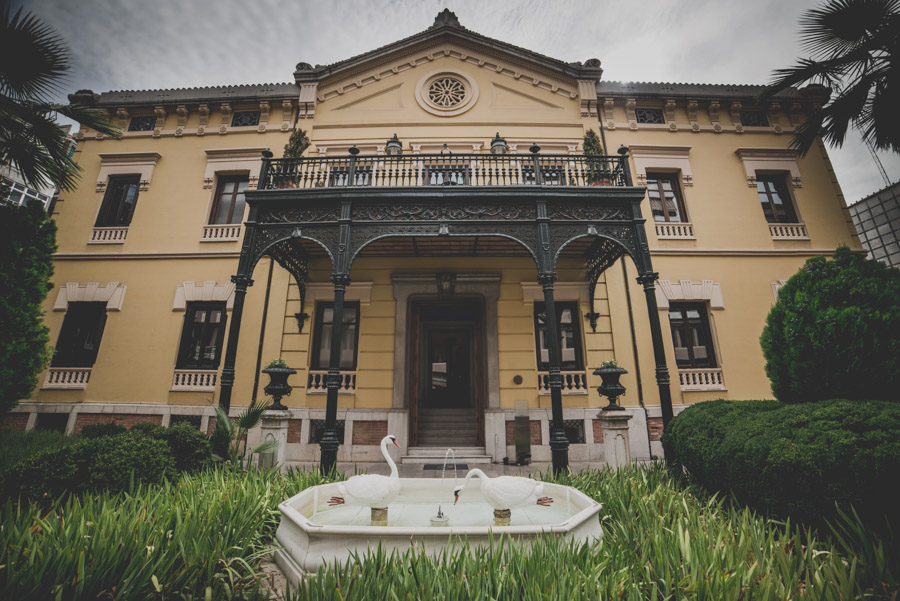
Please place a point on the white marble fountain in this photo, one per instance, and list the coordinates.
(316, 529)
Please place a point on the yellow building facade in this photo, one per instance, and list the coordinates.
(445, 328)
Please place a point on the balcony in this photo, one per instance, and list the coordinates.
(788, 231)
(694, 380)
(475, 170)
(194, 380)
(574, 382)
(68, 378)
(318, 380)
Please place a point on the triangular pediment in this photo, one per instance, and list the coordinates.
(388, 98)
(510, 98)
(447, 32)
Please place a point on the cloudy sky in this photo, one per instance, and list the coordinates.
(145, 44)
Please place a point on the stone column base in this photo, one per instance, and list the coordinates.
(274, 426)
(616, 444)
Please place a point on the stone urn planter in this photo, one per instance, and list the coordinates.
(611, 388)
(278, 386)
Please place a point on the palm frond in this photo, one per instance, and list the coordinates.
(252, 414)
(33, 58)
(96, 119)
(224, 423)
(840, 26)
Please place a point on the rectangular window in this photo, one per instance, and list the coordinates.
(665, 197)
(245, 119)
(570, 357)
(202, 336)
(775, 198)
(79, 338)
(21, 195)
(754, 119)
(650, 116)
(691, 335)
(145, 123)
(228, 205)
(322, 336)
(119, 201)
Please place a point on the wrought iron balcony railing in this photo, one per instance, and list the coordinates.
(479, 170)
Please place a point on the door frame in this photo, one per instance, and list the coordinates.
(416, 357)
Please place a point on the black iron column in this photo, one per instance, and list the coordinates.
(659, 352)
(330, 443)
(559, 444)
(341, 279)
(241, 283)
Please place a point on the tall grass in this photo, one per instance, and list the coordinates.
(664, 540)
(196, 538)
(17, 446)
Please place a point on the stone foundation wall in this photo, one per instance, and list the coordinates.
(122, 419)
(14, 421)
(535, 427)
(369, 432)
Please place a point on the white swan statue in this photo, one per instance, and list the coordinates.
(371, 490)
(506, 492)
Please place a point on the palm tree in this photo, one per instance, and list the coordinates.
(853, 46)
(33, 65)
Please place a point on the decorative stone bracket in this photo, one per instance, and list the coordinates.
(209, 291)
(113, 294)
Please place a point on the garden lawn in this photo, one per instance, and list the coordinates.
(202, 537)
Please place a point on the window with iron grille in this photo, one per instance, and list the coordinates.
(322, 335)
(142, 123)
(202, 336)
(193, 420)
(666, 201)
(775, 198)
(317, 430)
(228, 205)
(650, 116)
(691, 335)
(119, 201)
(55, 422)
(570, 356)
(754, 119)
(574, 429)
(245, 118)
(80, 335)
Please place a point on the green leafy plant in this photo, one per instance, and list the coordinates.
(232, 435)
(597, 170)
(296, 145)
(18, 446)
(27, 244)
(199, 537)
(833, 331)
(32, 71)
(278, 362)
(101, 430)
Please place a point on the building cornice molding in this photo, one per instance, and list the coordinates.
(113, 294)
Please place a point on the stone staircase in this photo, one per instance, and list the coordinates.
(440, 429)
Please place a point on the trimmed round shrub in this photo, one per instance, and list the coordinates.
(794, 460)
(101, 430)
(148, 428)
(833, 333)
(190, 447)
(118, 461)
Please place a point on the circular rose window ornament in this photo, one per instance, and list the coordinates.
(446, 93)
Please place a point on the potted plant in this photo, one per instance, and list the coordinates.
(278, 372)
(596, 169)
(610, 372)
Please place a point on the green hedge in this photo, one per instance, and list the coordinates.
(111, 463)
(794, 460)
(18, 446)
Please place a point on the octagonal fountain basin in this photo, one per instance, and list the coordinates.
(312, 533)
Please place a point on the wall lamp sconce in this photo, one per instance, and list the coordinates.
(446, 282)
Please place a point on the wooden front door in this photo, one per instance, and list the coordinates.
(447, 374)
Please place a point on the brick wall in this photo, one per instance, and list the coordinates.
(293, 433)
(123, 419)
(15, 421)
(598, 431)
(211, 425)
(534, 425)
(369, 432)
(656, 428)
